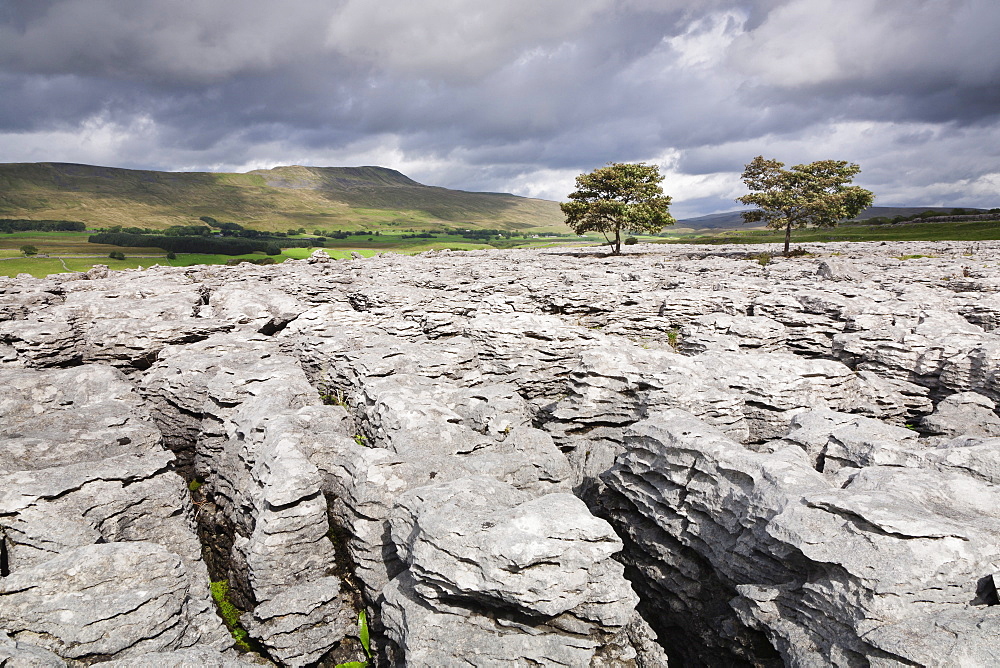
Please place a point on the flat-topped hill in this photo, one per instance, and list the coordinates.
(267, 199)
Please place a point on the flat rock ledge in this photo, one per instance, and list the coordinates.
(507, 458)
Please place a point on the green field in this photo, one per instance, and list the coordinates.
(63, 243)
(60, 252)
(958, 231)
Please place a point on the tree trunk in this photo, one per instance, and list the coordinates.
(618, 242)
(788, 236)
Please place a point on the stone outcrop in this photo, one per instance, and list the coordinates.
(507, 458)
(879, 560)
(100, 554)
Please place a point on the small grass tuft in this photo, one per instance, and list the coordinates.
(673, 337)
(366, 644)
(230, 615)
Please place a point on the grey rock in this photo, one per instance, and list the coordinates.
(429, 636)
(721, 331)
(836, 440)
(976, 457)
(250, 412)
(535, 352)
(964, 413)
(262, 308)
(635, 645)
(319, 256)
(87, 413)
(25, 655)
(528, 368)
(902, 544)
(88, 467)
(477, 538)
(195, 657)
(834, 270)
(365, 483)
(111, 600)
(97, 272)
(302, 622)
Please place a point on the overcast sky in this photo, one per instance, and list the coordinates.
(515, 95)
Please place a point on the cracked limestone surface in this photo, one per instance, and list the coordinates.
(832, 503)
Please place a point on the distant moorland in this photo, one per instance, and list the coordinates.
(328, 198)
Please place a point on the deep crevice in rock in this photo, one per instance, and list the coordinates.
(4, 559)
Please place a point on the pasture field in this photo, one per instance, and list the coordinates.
(956, 231)
(60, 252)
(64, 243)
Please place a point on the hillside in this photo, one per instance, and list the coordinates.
(267, 199)
(734, 220)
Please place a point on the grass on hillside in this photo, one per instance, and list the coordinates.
(270, 200)
(960, 231)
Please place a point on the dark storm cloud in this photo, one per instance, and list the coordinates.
(520, 95)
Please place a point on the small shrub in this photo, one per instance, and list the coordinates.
(763, 259)
(630, 241)
(797, 252)
(194, 485)
(171, 255)
(116, 255)
(673, 337)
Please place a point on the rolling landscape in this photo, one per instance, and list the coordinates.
(364, 210)
(348, 198)
(596, 334)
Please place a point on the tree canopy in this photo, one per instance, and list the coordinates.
(616, 198)
(816, 194)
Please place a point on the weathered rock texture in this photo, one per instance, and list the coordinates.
(543, 457)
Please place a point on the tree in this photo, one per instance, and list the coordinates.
(29, 250)
(816, 194)
(616, 198)
(116, 255)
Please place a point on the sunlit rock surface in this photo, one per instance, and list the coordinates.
(549, 457)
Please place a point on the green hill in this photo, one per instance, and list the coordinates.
(327, 198)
